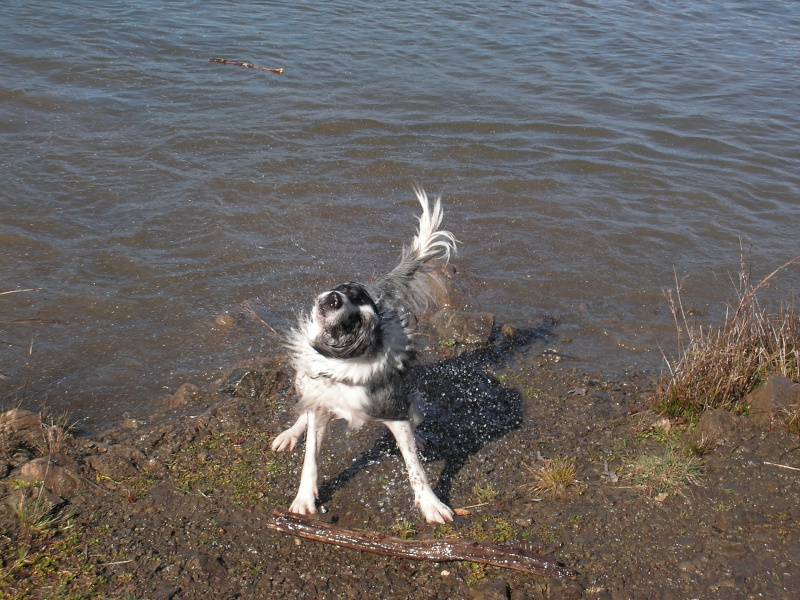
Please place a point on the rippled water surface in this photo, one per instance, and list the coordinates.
(586, 154)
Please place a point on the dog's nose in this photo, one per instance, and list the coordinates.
(334, 300)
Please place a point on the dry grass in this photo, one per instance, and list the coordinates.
(553, 478)
(718, 366)
(793, 418)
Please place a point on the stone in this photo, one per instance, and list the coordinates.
(165, 593)
(185, 394)
(119, 461)
(714, 426)
(497, 590)
(224, 321)
(778, 393)
(45, 500)
(20, 427)
(254, 383)
(160, 498)
(464, 327)
(55, 474)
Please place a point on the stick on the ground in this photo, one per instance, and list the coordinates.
(249, 65)
(499, 555)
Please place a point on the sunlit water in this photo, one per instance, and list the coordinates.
(586, 154)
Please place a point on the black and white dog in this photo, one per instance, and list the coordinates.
(351, 355)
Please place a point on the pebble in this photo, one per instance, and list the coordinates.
(224, 321)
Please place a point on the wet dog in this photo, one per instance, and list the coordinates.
(351, 355)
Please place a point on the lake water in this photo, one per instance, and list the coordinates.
(587, 153)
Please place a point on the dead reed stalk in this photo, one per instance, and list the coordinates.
(718, 366)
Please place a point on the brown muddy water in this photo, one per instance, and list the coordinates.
(587, 153)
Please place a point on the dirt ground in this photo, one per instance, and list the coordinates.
(177, 507)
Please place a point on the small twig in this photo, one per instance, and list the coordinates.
(119, 562)
(33, 321)
(472, 506)
(499, 555)
(249, 65)
(781, 466)
(746, 299)
(252, 313)
(18, 291)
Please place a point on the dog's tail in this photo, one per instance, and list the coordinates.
(410, 281)
(430, 242)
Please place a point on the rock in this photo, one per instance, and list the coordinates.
(714, 426)
(451, 289)
(462, 326)
(119, 461)
(509, 331)
(778, 393)
(497, 590)
(161, 497)
(20, 427)
(42, 499)
(204, 567)
(55, 473)
(165, 593)
(224, 321)
(254, 383)
(186, 394)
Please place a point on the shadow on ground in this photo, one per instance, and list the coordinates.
(465, 408)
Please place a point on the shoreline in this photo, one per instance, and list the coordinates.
(177, 508)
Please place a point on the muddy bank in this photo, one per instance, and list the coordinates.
(176, 507)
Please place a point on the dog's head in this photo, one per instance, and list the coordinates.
(348, 322)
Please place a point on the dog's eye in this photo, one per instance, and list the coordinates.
(334, 300)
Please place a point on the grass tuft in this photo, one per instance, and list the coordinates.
(718, 366)
(404, 529)
(670, 472)
(553, 478)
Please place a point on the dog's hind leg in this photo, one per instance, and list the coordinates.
(288, 439)
(305, 501)
(433, 509)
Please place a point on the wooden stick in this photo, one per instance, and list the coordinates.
(249, 65)
(499, 555)
(771, 464)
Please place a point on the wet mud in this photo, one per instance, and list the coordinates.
(177, 507)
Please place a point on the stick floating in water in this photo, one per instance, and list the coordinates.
(249, 65)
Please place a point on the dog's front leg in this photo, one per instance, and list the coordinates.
(288, 439)
(433, 509)
(305, 501)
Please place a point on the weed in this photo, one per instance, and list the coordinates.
(485, 493)
(34, 517)
(700, 447)
(669, 472)
(477, 572)
(504, 531)
(659, 435)
(444, 531)
(404, 529)
(554, 478)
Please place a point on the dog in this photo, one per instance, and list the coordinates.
(351, 355)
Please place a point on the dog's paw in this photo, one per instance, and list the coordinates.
(303, 506)
(434, 510)
(285, 442)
